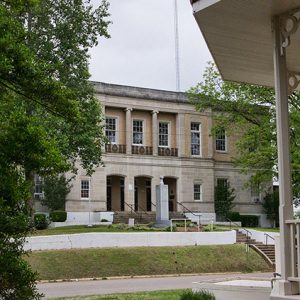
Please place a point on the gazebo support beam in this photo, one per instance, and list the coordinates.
(284, 162)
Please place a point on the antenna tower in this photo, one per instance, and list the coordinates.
(176, 46)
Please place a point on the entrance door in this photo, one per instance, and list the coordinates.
(108, 195)
(122, 195)
(136, 198)
(148, 195)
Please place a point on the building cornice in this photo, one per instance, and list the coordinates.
(138, 92)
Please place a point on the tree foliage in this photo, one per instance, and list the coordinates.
(56, 188)
(271, 207)
(249, 112)
(224, 197)
(49, 116)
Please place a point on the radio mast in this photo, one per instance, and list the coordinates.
(177, 63)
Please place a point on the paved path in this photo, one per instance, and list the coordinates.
(81, 288)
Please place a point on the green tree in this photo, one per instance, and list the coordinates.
(249, 112)
(224, 197)
(56, 188)
(49, 117)
(271, 207)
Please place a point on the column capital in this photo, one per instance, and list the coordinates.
(128, 109)
(155, 112)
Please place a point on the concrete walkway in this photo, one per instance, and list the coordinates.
(82, 288)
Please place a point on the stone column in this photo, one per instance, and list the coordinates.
(154, 133)
(128, 130)
(129, 192)
(180, 140)
(210, 146)
(162, 205)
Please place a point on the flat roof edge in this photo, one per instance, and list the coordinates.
(138, 92)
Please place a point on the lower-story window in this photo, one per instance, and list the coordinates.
(85, 189)
(197, 192)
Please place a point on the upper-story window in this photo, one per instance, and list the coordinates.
(163, 139)
(195, 138)
(85, 189)
(221, 140)
(138, 132)
(111, 129)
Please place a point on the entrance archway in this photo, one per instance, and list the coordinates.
(115, 197)
(142, 193)
(171, 182)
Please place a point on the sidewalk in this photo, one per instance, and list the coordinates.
(97, 287)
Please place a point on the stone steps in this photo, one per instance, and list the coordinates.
(265, 251)
(141, 217)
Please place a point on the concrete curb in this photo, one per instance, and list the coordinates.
(145, 276)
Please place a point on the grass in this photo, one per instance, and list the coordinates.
(99, 228)
(157, 295)
(266, 229)
(101, 263)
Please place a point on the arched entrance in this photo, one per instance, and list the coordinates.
(142, 193)
(171, 182)
(115, 197)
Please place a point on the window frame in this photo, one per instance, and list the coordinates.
(199, 131)
(116, 129)
(221, 140)
(143, 132)
(200, 192)
(38, 182)
(89, 189)
(223, 178)
(168, 134)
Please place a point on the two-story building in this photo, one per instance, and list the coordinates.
(155, 133)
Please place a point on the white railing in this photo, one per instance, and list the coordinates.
(294, 231)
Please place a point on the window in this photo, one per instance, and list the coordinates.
(38, 187)
(163, 140)
(198, 192)
(255, 193)
(221, 143)
(111, 129)
(137, 132)
(222, 182)
(195, 138)
(85, 189)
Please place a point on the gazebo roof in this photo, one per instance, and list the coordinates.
(239, 36)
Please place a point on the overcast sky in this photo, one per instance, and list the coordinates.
(141, 49)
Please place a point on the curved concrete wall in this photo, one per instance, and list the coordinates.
(135, 239)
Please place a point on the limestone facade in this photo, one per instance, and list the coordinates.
(152, 134)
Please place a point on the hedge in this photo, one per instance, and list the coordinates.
(58, 216)
(40, 221)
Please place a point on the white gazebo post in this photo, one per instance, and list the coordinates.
(241, 35)
(284, 162)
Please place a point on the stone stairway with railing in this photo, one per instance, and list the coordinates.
(141, 217)
(266, 251)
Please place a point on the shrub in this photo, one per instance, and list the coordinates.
(40, 221)
(234, 216)
(249, 220)
(58, 216)
(198, 295)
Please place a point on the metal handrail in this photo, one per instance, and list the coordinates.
(188, 210)
(142, 209)
(266, 238)
(249, 233)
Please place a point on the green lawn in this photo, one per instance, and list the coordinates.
(266, 229)
(101, 263)
(99, 228)
(157, 295)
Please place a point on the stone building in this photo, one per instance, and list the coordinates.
(157, 133)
